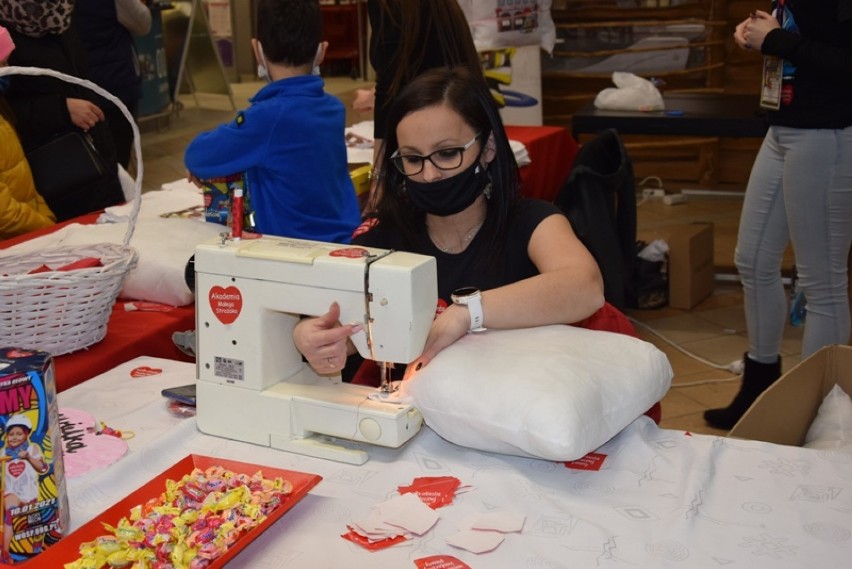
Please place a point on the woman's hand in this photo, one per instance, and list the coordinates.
(447, 328)
(84, 114)
(365, 100)
(751, 32)
(324, 341)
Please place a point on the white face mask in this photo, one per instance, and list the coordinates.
(316, 68)
(262, 70)
(263, 73)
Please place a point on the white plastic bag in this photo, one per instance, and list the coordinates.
(631, 93)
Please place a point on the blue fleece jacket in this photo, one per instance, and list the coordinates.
(290, 143)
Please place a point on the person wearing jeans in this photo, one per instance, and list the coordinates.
(800, 188)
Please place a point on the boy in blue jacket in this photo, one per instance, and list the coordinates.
(290, 141)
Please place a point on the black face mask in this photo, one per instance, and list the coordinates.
(449, 195)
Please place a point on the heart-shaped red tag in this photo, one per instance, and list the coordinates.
(226, 303)
(16, 468)
(434, 491)
(144, 371)
(350, 252)
(440, 562)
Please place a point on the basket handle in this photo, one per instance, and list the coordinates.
(137, 146)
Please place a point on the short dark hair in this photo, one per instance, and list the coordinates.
(288, 30)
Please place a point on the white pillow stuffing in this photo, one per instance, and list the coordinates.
(832, 427)
(553, 392)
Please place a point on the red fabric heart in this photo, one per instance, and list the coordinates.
(16, 468)
(440, 562)
(40, 269)
(434, 491)
(84, 263)
(226, 303)
(144, 371)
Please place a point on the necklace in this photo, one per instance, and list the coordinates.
(463, 241)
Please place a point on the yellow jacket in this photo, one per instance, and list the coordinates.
(22, 209)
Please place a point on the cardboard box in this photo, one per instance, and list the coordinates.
(691, 271)
(784, 412)
(34, 500)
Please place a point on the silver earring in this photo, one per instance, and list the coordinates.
(487, 191)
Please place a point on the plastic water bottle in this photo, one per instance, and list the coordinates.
(797, 303)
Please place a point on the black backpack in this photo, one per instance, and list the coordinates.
(599, 199)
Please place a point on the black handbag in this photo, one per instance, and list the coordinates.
(65, 163)
(68, 172)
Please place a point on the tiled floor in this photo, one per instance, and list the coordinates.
(713, 331)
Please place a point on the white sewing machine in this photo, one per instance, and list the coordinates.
(253, 384)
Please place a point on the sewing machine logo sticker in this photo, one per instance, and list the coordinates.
(226, 303)
(349, 252)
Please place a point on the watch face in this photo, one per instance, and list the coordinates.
(465, 291)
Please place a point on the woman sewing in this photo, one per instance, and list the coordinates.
(451, 190)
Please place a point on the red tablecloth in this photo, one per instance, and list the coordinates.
(551, 151)
(130, 334)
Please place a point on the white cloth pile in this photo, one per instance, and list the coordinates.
(164, 244)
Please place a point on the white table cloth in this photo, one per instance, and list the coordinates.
(662, 498)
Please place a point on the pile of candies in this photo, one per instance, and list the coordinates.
(191, 524)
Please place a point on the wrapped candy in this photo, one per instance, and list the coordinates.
(190, 525)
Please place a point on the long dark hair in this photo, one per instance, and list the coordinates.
(470, 98)
(417, 21)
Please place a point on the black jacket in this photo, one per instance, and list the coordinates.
(41, 111)
(110, 50)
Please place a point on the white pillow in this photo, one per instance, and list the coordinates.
(553, 392)
(832, 427)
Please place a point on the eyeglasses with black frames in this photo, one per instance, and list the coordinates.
(443, 159)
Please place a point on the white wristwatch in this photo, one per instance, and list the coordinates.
(471, 297)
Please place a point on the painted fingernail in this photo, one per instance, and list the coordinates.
(418, 366)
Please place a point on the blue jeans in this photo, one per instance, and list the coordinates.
(799, 191)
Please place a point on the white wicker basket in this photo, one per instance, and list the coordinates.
(64, 311)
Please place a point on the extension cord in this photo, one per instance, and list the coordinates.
(674, 199)
(649, 193)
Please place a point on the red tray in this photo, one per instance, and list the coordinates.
(68, 548)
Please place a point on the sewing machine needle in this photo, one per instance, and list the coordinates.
(386, 386)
